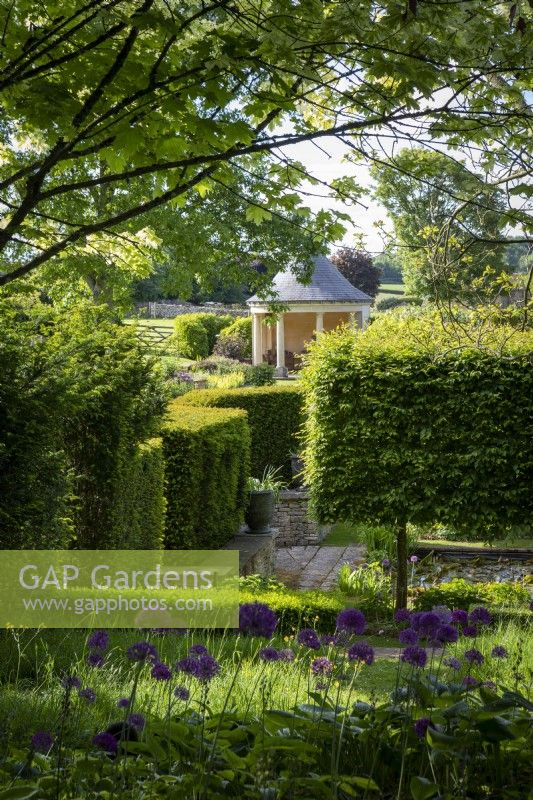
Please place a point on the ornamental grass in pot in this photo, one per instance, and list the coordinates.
(263, 494)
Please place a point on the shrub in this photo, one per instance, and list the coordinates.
(274, 417)
(232, 346)
(367, 586)
(195, 334)
(241, 327)
(397, 302)
(139, 510)
(230, 380)
(207, 455)
(460, 594)
(260, 375)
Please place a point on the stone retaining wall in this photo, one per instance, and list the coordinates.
(292, 522)
(171, 310)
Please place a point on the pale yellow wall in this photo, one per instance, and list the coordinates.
(332, 319)
(299, 328)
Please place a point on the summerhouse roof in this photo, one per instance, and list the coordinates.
(327, 286)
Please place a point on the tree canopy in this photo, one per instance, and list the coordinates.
(358, 267)
(146, 102)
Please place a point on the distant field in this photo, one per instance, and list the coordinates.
(390, 290)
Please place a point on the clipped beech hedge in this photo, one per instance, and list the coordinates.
(195, 334)
(139, 511)
(207, 462)
(409, 423)
(275, 418)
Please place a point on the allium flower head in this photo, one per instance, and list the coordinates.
(322, 666)
(385, 563)
(459, 617)
(198, 650)
(257, 619)
(137, 721)
(269, 654)
(98, 640)
(416, 656)
(443, 613)
(308, 637)
(469, 681)
(408, 636)
(413, 559)
(351, 620)
(96, 659)
(402, 615)
(71, 682)
(361, 651)
(42, 741)
(474, 656)
(426, 624)
(470, 631)
(287, 655)
(189, 665)
(142, 651)
(453, 663)
(327, 639)
(421, 725)
(161, 671)
(106, 742)
(182, 693)
(446, 634)
(124, 702)
(87, 694)
(480, 616)
(208, 667)
(499, 651)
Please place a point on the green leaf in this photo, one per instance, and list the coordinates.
(21, 792)
(257, 214)
(422, 788)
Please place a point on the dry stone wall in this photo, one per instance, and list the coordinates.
(293, 523)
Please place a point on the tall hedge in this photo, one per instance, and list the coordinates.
(275, 418)
(408, 423)
(139, 511)
(195, 334)
(207, 456)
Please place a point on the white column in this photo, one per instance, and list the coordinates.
(319, 326)
(257, 340)
(280, 346)
(365, 313)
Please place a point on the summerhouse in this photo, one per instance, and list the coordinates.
(328, 301)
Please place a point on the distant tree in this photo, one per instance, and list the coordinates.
(357, 267)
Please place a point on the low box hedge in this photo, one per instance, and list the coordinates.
(275, 418)
(458, 593)
(207, 458)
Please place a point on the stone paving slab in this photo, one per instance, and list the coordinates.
(313, 567)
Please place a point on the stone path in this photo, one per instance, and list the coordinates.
(314, 567)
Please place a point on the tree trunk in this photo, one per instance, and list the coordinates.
(401, 574)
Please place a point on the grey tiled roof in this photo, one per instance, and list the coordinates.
(327, 286)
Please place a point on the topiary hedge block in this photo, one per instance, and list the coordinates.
(207, 463)
(275, 418)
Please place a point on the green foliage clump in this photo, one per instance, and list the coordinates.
(260, 375)
(458, 593)
(139, 508)
(368, 586)
(195, 334)
(239, 331)
(207, 456)
(409, 422)
(300, 609)
(397, 302)
(275, 417)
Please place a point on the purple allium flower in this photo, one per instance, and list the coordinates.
(161, 671)
(443, 613)
(142, 651)
(402, 615)
(351, 620)
(106, 742)
(421, 725)
(327, 639)
(459, 617)
(470, 631)
(87, 694)
(269, 654)
(308, 637)
(473, 656)
(489, 685)
(322, 666)
(446, 634)
(453, 663)
(198, 650)
(426, 624)
(208, 667)
(413, 559)
(257, 619)
(361, 651)
(469, 680)
(137, 721)
(95, 659)
(499, 651)
(385, 563)
(182, 693)
(480, 616)
(98, 640)
(124, 702)
(71, 682)
(286, 655)
(42, 741)
(416, 656)
(189, 665)
(408, 636)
